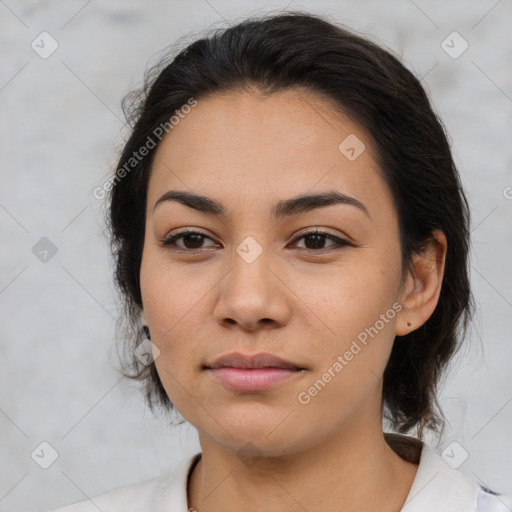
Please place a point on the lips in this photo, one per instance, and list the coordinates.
(252, 373)
(262, 360)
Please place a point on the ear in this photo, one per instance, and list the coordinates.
(422, 287)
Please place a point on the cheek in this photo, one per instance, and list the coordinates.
(171, 293)
(354, 312)
(351, 358)
(176, 307)
(351, 297)
(175, 313)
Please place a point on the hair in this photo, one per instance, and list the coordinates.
(297, 50)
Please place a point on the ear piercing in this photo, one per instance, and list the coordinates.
(409, 324)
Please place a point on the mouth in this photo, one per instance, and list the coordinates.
(252, 373)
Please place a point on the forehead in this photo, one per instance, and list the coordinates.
(247, 147)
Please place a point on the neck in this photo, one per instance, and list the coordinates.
(338, 475)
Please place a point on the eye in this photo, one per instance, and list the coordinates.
(317, 238)
(193, 241)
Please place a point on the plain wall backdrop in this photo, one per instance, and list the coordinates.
(61, 125)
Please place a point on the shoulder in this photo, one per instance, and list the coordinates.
(489, 501)
(131, 497)
(438, 486)
(149, 495)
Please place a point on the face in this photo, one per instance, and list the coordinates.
(254, 278)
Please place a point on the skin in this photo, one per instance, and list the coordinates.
(302, 299)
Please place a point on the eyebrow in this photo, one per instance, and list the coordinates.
(283, 208)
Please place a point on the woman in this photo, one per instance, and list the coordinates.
(290, 231)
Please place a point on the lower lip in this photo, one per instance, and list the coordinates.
(252, 380)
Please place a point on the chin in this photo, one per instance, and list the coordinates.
(254, 433)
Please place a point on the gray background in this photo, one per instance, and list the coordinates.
(61, 126)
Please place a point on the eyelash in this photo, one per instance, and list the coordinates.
(168, 243)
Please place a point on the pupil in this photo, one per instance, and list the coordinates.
(319, 240)
(198, 239)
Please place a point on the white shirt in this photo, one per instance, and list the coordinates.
(436, 487)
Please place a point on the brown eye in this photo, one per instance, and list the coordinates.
(192, 241)
(315, 240)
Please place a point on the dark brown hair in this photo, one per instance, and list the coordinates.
(300, 50)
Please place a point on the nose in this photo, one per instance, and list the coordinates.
(252, 295)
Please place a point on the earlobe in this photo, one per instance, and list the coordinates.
(404, 323)
(421, 291)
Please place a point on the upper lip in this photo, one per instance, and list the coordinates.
(261, 360)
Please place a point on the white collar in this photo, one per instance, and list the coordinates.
(439, 487)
